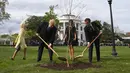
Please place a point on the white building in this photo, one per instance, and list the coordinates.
(117, 30)
(63, 22)
(5, 41)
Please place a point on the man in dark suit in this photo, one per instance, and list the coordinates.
(91, 31)
(47, 33)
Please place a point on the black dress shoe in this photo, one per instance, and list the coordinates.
(39, 60)
(98, 60)
(24, 58)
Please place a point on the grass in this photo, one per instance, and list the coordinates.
(109, 64)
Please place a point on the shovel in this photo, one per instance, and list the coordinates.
(59, 57)
(80, 56)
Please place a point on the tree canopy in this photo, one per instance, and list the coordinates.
(107, 33)
(3, 14)
(51, 15)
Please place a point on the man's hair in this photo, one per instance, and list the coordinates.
(88, 19)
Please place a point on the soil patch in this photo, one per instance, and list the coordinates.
(63, 66)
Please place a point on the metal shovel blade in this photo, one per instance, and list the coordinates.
(79, 56)
(62, 58)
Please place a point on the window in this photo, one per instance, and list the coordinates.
(81, 28)
(77, 25)
(81, 36)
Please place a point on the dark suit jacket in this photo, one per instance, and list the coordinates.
(91, 31)
(47, 35)
(88, 33)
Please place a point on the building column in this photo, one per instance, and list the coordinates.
(64, 27)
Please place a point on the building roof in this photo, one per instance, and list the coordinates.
(69, 16)
(126, 37)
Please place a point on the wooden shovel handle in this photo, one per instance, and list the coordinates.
(91, 43)
(47, 45)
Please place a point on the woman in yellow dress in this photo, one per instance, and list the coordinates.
(20, 40)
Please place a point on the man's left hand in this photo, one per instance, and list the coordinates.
(88, 44)
(100, 31)
(74, 39)
(49, 46)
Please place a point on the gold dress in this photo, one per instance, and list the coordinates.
(20, 40)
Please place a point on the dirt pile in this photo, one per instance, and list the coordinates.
(63, 66)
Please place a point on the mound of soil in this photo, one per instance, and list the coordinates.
(63, 66)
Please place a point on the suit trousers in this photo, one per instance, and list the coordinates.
(41, 49)
(97, 46)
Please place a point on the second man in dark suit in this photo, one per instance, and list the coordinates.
(91, 31)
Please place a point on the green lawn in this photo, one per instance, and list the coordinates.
(109, 64)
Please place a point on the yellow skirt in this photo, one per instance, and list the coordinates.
(21, 43)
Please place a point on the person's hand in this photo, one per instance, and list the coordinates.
(37, 34)
(88, 44)
(100, 31)
(74, 39)
(49, 46)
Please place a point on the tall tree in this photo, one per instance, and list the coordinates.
(3, 14)
(98, 23)
(4, 36)
(107, 33)
(33, 23)
(14, 36)
(49, 15)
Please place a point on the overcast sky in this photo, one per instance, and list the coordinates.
(94, 9)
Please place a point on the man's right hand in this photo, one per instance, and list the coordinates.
(37, 34)
(100, 31)
(88, 44)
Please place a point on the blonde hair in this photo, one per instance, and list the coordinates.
(23, 23)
